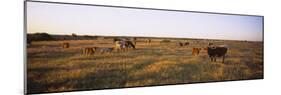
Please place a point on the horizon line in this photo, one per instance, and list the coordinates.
(147, 37)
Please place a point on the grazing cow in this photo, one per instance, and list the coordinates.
(195, 51)
(181, 44)
(217, 51)
(89, 51)
(65, 45)
(123, 45)
(129, 44)
(184, 44)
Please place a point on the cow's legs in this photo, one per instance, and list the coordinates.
(223, 59)
(212, 58)
(215, 59)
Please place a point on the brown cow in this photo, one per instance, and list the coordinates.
(65, 45)
(149, 41)
(183, 43)
(195, 51)
(89, 51)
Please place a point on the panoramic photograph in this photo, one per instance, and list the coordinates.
(72, 47)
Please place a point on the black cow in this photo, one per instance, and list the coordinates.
(217, 51)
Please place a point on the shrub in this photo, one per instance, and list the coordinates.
(165, 41)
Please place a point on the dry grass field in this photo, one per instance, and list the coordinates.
(51, 68)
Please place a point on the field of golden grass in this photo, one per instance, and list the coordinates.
(51, 68)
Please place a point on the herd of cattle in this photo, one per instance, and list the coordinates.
(121, 45)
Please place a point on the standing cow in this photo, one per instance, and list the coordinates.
(217, 51)
(195, 51)
(89, 51)
(183, 43)
(65, 45)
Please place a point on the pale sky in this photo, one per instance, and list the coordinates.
(112, 21)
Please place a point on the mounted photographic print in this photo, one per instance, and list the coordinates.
(78, 47)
